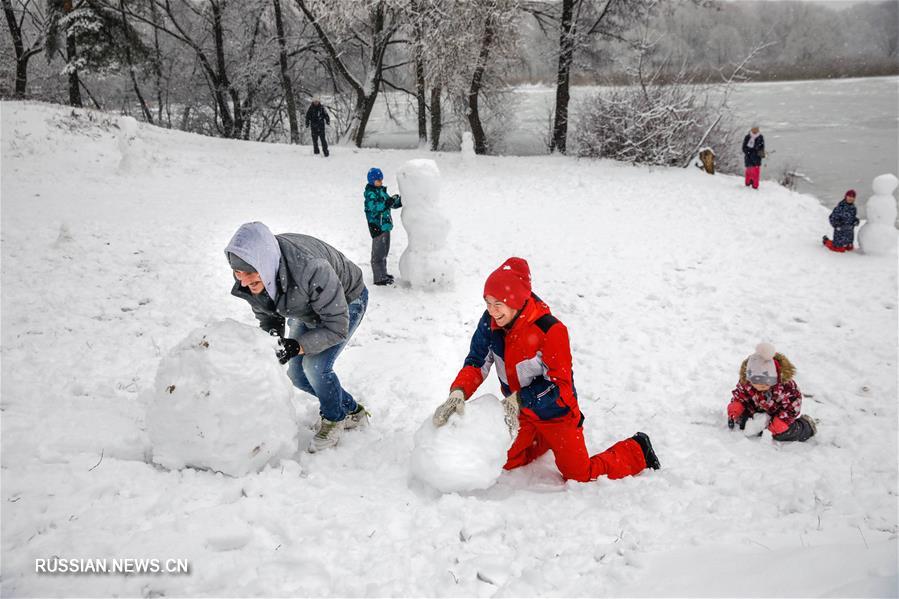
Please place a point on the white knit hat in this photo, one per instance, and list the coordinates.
(760, 368)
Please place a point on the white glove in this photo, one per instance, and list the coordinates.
(512, 408)
(454, 404)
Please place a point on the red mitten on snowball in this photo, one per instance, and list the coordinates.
(778, 426)
(735, 410)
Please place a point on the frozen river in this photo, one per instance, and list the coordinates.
(839, 133)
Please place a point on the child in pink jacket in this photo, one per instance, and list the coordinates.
(766, 385)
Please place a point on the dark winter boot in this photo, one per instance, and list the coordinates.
(802, 429)
(652, 461)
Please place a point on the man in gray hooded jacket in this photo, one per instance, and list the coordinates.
(320, 294)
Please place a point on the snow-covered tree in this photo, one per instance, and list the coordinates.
(26, 25)
(578, 22)
(367, 28)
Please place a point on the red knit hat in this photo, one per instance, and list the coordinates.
(510, 283)
(851, 192)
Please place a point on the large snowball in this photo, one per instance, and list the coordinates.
(468, 452)
(878, 238)
(222, 402)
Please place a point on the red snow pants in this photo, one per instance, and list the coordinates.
(566, 440)
(752, 176)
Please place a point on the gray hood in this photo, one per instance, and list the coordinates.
(255, 244)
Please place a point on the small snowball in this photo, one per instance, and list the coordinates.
(757, 424)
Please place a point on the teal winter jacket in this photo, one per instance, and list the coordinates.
(377, 209)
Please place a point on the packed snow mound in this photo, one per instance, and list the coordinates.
(221, 402)
(468, 452)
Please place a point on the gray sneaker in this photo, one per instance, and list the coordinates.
(357, 419)
(328, 434)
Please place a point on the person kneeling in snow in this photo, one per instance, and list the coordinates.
(843, 221)
(766, 385)
(321, 294)
(378, 204)
(533, 357)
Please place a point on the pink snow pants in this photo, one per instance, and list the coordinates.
(752, 176)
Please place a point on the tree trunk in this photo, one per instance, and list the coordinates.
(364, 106)
(477, 79)
(74, 84)
(436, 124)
(140, 97)
(21, 77)
(563, 74)
(157, 66)
(222, 85)
(285, 77)
(420, 90)
(21, 57)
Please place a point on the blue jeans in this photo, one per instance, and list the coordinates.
(314, 373)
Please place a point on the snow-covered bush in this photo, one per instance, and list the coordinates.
(661, 125)
(221, 402)
(663, 117)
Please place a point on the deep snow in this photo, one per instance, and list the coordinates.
(666, 279)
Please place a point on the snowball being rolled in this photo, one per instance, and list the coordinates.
(468, 452)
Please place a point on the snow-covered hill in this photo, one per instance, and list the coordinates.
(666, 279)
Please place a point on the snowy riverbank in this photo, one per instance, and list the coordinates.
(666, 280)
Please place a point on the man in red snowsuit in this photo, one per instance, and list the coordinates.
(533, 362)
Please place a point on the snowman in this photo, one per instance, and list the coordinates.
(878, 235)
(426, 262)
(467, 148)
(130, 145)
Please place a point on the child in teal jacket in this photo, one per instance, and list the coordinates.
(378, 204)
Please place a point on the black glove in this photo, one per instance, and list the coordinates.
(856, 222)
(290, 349)
(397, 200)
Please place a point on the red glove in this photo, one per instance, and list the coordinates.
(735, 410)
(778, 426)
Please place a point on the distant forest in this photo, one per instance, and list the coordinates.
(807, 41)
(247, 69)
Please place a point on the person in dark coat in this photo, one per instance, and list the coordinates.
(843, 221)
(753, 152)
(316, 119)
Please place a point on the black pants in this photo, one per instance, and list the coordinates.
(802, 429)
(319, 134)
